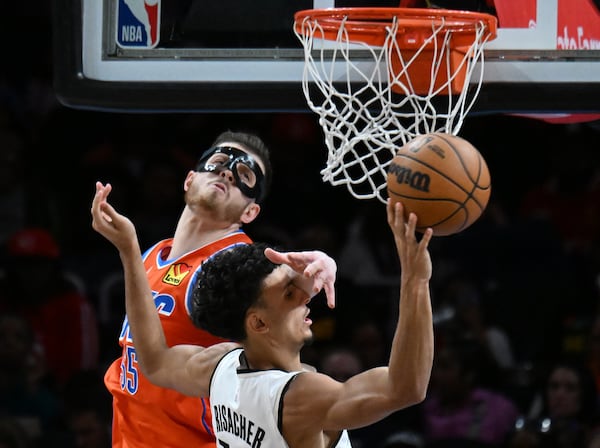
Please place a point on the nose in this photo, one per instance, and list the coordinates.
(227, 174)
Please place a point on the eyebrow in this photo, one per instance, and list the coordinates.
(290, 278)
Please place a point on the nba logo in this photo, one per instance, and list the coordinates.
(138, 23)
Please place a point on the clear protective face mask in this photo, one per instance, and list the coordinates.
(246, 171)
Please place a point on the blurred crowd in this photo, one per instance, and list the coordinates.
(516, 296)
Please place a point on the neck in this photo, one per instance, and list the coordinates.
(195, 231)
(260, 357)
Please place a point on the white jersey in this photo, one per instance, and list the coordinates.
(247, 405)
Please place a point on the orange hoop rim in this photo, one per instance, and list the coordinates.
(360, 21)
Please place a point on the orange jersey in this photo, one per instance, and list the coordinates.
(145, 415)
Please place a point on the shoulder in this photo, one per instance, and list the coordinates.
(205, 359)
(218, 351)
(306, 404)
(322, 388)
(201, 365)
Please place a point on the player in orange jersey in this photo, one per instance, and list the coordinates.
(221, 195)
(260, 393)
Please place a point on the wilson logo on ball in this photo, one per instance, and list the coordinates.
(404, 175)
(442, 179)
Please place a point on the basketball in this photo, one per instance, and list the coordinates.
(443, 179)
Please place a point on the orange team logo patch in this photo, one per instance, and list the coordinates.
(176, 274)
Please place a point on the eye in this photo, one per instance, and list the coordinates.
(288, 293)
(246, 174)
(217, 159)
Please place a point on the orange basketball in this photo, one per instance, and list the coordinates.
(443, 179)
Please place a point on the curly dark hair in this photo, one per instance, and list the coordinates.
(228, 284)
(254, 144)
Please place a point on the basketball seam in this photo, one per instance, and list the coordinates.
(469, 192)
(461, 206)
(452, 181)
(474, 181)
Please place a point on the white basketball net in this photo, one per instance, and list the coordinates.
(350, 86)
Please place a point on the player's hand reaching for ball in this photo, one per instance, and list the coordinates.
(414, 255)
(317, 268)
(113, 226)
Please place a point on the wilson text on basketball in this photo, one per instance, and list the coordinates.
(404, 175)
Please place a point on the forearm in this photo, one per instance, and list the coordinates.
(375, 393)
(411, 356)
(145, 327)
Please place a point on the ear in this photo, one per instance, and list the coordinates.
(250, 213)
(255, 323)
(188, 180)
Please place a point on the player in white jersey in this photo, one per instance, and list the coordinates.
(249, 402)
(259, 297)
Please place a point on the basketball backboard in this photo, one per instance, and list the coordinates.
(236, 55)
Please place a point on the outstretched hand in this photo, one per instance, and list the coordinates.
(315, 266)
(113, 226)
(414, 255)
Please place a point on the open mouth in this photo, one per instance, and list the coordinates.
(307, 320)
(220, 186)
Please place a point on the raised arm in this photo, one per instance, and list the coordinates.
(374, 394)
(184, 368)
(411, 356)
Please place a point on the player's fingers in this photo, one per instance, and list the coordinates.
(329, 294)
(396, 215)
(311, 262)
(324, 269)
(306, 257)
(399, 210)
(108, 212)
(313, 268)
(327, 284)
(97, 196)
(102, 192)
(106, 217)
(317, 284)
(411, 225)
(391, 213)
(426, 238)
(397, 222)
(276, 256)
(296, 260)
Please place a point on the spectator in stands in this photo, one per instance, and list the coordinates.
(24, 398)
(88, 411)
(470, 320)
(564, 412)
(36, 286)
(458, 411)
(340, 363)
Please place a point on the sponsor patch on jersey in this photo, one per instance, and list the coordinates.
(176, 274)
